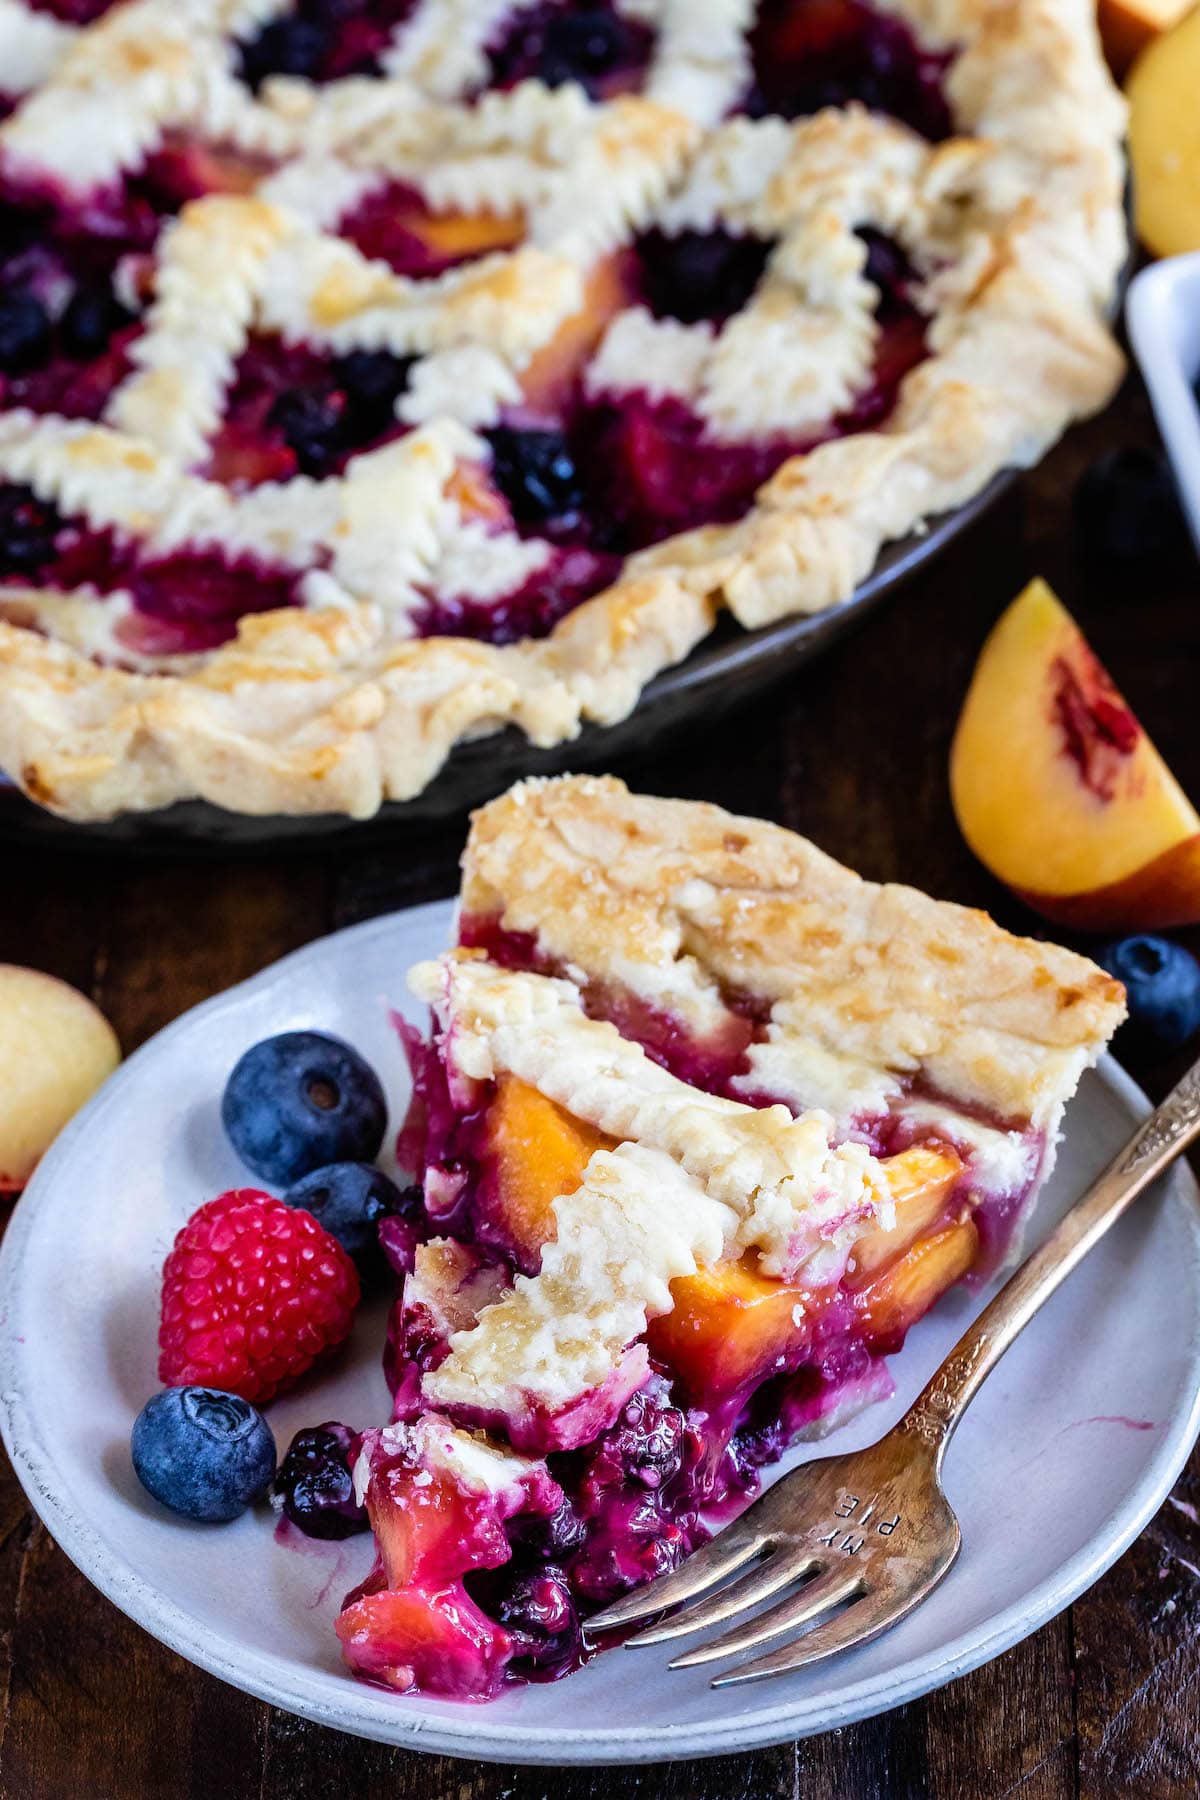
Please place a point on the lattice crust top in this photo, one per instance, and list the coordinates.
(351, 686)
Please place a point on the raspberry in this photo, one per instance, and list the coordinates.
(253, 1292)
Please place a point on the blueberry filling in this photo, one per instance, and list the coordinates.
(696, 275)
(536, 473)
(312, 425)
(293, 411)
(91, 319)
(323, 40)
(593, 45)
(29, 533)
(537, 1610)
(809, 54)
(25, 332)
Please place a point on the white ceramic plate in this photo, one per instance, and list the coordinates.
(1071, 1447)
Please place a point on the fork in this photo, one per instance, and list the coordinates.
(857, 1541)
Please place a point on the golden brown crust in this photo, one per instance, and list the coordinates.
(681, 903)
(336, 706)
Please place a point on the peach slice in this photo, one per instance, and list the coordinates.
(456, 236)
(550, 376)
(55, 1050)
(1164, 139)
(910, 1287)
(731, 1325)
(921, 1180)
(534, 1152)
(1127, 26)
(475, 496)
(1057, 788)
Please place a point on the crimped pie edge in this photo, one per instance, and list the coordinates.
(314, 712)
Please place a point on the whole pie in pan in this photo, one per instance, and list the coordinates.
(380, 374)
(704, 1123)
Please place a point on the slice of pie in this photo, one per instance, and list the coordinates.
(704, 1123)
(380, 374)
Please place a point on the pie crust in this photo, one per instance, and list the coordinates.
(1015, 229)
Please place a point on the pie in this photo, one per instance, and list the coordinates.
(704, 1123)
(382, 374)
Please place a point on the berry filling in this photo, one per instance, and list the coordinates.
(72, 12)
(596, 46)
(314, 1487)
(292, 411)
(395, 224)
(323, 40)
(64, 327)
(569, 577)
(188, 601)
(650, 464)
(808, 54)
(694, 275)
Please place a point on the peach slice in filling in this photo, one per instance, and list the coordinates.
(395, 225)
(732, 1327)
(438, 1503)
(533, 1153)
(549, 379)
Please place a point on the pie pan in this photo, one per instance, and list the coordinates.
(1067, 1453)
(730, 667)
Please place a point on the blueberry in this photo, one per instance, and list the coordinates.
(372, 381)
(203, 1453)
(301, 1101)
(315, 1483)
(93, 315)
(1162, 982)
(583, 46)
(313, 425)
(350, 1199)
(536, 473)
(29, 530)
(886, 268)
(24, 331)
(694, 275)
(1127, 512)
(289, 46)
(548, 1535)
(537, 1611)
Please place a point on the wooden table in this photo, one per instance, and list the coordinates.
(1103, 1701)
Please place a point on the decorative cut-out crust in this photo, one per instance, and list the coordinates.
(335, 705)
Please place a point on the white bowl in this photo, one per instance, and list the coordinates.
(1162, 313)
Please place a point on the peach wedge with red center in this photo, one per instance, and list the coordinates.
(55, 1050)
(1058, 790)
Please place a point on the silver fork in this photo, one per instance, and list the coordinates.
(859, 1540)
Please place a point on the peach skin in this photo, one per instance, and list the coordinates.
(55, 1050)
(1164, 139)
(1058, 790)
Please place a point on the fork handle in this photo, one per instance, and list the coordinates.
(1162, 1137)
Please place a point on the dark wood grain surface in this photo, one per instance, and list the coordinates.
(1103, 1701)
